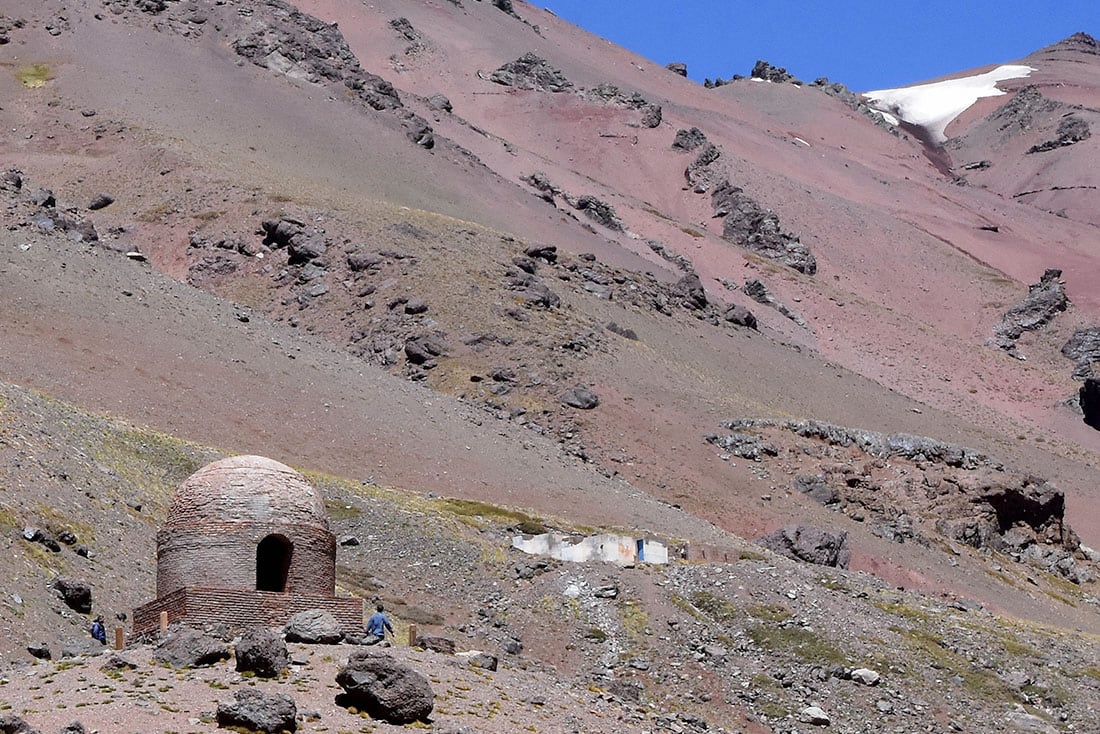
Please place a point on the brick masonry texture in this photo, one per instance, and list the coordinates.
(241, 610)
(246, 543)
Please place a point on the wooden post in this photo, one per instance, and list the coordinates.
(412, 635)
(118, 638)
(164, 621)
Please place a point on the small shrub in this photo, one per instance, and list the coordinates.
(595, 634)
(35, 75)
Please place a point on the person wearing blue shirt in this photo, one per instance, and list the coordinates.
(98, 631)
(378, 624)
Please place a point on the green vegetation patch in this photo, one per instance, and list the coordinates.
(934, 651)
(9, 519)
(491, 513)
(595, 634)
(342, 511)
(1092, 672)
(906, 611)
(32, 76)
(770, 612)
(813, 647)
(716, 608)
(635, 620)
(153, 463)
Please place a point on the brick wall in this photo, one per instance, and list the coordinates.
(223, 556)
(242, 609)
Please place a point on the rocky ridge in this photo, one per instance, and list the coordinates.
(909, 487)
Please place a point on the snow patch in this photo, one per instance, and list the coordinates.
(933, 106)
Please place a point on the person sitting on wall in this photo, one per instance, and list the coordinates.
(377, 626)
(98, 631)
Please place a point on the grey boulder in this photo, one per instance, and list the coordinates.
(314, 627)
(255, 710)
(385, 688)
(262, 652)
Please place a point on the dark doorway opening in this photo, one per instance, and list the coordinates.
(273, 563)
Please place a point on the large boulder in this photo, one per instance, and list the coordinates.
(436, 643)
(304, 247)
(255, 710)
(810, 544)
(278, 232)
(424, 348)
(738, 314)
(77, 595)
(184, 647)
(385, 688)
(314, 627)
(580, 397)
(12, 724)
(262, 652)
(691, 291)
(75, 647)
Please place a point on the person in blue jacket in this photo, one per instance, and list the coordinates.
(378, 624)
(98, 631)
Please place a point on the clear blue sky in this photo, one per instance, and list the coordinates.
(866, 44)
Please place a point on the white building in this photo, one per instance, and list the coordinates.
(623, 550)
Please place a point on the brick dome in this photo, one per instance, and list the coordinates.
(246, 489)
(247, 522)
(246, 543)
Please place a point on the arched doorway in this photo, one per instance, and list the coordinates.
(273, 563)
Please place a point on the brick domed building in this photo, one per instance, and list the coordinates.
(246, 543)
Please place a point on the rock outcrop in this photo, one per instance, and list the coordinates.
(1089, 400)
(1071, 129)
(301, 46)
(914, 486)
(1044, 300)
(763, 70)
(759, 292)
(1083, 347)
(810, 544)
(531, 71)
(853, 100)
(688, 139)
(677, 67)
(757, 229)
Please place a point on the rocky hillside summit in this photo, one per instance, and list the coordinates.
(480, 276)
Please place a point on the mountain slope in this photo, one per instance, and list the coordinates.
(310, 228)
